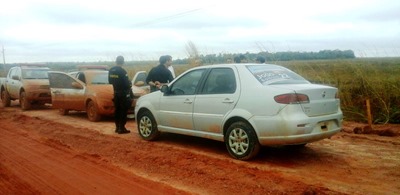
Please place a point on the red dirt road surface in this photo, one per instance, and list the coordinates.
(42, 152)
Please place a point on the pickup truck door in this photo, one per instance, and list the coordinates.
(66, 92)
(14, 82)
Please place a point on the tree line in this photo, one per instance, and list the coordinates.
(278, 56)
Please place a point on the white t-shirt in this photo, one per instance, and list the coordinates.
(171, 68)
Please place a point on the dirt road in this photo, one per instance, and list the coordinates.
(42, 152)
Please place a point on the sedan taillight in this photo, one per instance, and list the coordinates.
(291, 98)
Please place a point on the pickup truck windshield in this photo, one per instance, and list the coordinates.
(35, 74)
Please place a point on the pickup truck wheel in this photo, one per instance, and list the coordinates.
(92, 112)
(5, 98)
(23, 101)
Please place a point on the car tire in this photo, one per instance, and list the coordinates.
(5, 98)
(92, 112)
(24, 102)
(147, 126)
(241, 141)
(63, 111)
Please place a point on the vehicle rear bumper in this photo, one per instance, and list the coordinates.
(296, 128)
(297, 139)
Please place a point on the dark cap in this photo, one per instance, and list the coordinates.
(120, 60)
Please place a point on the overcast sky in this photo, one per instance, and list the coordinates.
(79, 30)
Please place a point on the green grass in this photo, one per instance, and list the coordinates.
(377, 79)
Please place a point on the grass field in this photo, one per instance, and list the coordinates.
(376, 79)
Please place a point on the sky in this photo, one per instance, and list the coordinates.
(91, 31)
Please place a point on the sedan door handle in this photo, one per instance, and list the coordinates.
(56, 91)
(227, 100)
(188, 101)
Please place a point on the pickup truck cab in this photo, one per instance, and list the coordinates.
(28, 83)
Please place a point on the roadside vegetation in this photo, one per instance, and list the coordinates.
(358, 80)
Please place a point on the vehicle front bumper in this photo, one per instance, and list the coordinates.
(39, 95)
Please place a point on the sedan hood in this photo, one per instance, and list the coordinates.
(108, 91)
(101, 91)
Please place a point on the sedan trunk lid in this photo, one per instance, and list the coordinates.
(322, 99)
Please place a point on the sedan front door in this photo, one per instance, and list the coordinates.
(176, 107)
(66, 92)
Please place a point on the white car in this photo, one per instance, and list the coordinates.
(244, 105)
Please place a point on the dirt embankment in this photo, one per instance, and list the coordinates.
(43, 152)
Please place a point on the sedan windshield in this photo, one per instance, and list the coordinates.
(270, 75)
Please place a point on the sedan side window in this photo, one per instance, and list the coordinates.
(58, 80)
(220, 81)
(187, 84)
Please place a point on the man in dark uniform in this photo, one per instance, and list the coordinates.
(123, 96)
(160, 74)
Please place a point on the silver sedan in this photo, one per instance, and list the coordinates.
(244, 105)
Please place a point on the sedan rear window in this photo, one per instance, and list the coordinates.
(270, 75)
(100, 79)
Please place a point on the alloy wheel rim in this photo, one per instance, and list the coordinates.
(238, 141)
(145, 126)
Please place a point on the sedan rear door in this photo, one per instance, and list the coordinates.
(216, 100)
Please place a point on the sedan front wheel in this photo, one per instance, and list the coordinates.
(147, 126)
(241, 141)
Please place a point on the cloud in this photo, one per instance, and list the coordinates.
(48, 30)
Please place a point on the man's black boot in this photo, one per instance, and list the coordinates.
(123, 131)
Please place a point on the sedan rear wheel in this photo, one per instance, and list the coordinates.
(5, 98)
(241, 141)
(92, 112)
(147, 126)
(63, 111)
(24, 102)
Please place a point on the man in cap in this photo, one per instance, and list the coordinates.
(123, 96)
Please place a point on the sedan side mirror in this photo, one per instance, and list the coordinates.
(76, 85)
(164, 89)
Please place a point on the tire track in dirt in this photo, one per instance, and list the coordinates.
(51, 170)
(345, 164)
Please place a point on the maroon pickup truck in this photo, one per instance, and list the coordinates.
(28, 83)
